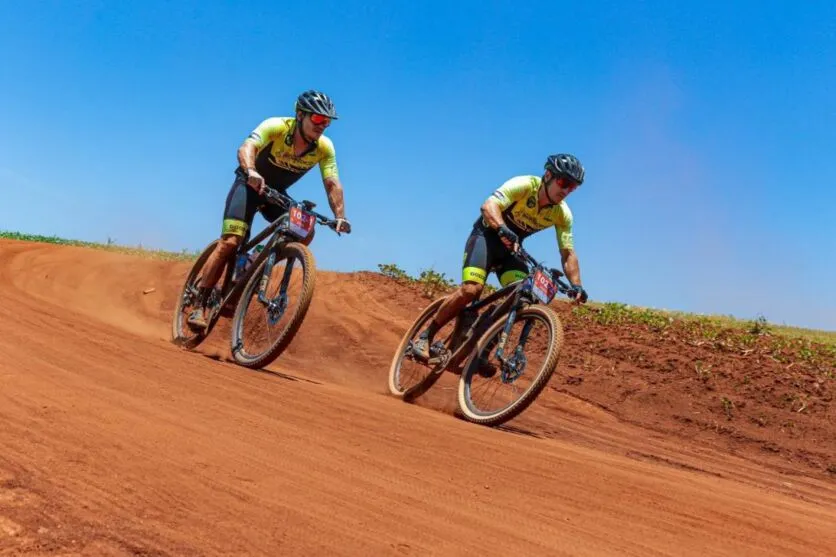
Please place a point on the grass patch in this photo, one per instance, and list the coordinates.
(110, 245)
(815, 349)
(708, 327)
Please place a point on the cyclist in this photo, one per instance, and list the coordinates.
(276, 154)
(520, 207)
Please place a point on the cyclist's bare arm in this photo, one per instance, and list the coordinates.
(246, 158)
(570, 265)
(334, 189)
(492, 213)
(246, 154)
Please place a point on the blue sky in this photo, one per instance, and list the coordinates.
(707, 130)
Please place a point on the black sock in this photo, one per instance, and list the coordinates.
(431, 330)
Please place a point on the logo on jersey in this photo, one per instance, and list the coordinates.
(521, 224)
(527, 223)
(531, 202)
(293, 165)
(255, 137)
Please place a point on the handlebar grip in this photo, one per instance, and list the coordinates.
(505, 232)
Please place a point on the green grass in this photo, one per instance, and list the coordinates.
(812, 348)
(709, 325)
(110, 245)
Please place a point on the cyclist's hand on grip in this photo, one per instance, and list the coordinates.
(509, 238)
(342, 225)
(578, 294)
(255, 181)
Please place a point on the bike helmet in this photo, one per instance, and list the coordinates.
(316, 102)
(566, 165)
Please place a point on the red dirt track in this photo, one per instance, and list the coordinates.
(115, 442)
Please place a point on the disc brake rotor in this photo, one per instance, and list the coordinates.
(514, 367)
(276, 308)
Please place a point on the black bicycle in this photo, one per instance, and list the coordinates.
(484, 335)
(254, 287)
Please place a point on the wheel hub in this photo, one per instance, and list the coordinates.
(514, 367)
(276, 308)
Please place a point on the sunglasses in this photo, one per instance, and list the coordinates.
(566, 183)
(319, 119)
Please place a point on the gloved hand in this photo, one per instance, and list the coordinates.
(509, 238)
(578, 294)
(342, 225)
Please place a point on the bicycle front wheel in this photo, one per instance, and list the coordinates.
(273, 305)
(493, 391)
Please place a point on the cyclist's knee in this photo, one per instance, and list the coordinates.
(471, 290)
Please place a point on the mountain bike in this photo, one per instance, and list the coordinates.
(481, 337)
(246, 280)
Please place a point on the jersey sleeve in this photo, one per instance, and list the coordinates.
(563, 227)
(327, 158)
(513, 190)
(267, 131)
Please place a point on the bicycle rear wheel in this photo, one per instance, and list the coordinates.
(408, 376)
(181, 333)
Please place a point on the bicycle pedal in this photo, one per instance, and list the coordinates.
(440, 359)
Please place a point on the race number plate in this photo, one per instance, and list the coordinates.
(301, 223)
(544, 287)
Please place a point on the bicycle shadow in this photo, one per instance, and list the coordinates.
(275, 373)
(517, 430)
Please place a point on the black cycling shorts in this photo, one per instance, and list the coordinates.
(484, 253)
(242, 202)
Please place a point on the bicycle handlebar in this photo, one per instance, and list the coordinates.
(555, 273)
(284, 200)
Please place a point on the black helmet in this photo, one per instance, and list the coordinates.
(567, 165)
(316, 102)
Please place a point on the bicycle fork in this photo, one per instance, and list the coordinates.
(512, 366)
(276, 306)
(503, 337)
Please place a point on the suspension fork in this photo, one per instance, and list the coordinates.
(518, 352)
(525, 332)
(506, 330)
(265, 277)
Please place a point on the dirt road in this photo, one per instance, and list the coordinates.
(115, 442)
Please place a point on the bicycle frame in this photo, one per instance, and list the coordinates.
(516, 295)
(279, 231)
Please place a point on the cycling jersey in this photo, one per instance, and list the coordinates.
(277, 163)
(518, 200)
